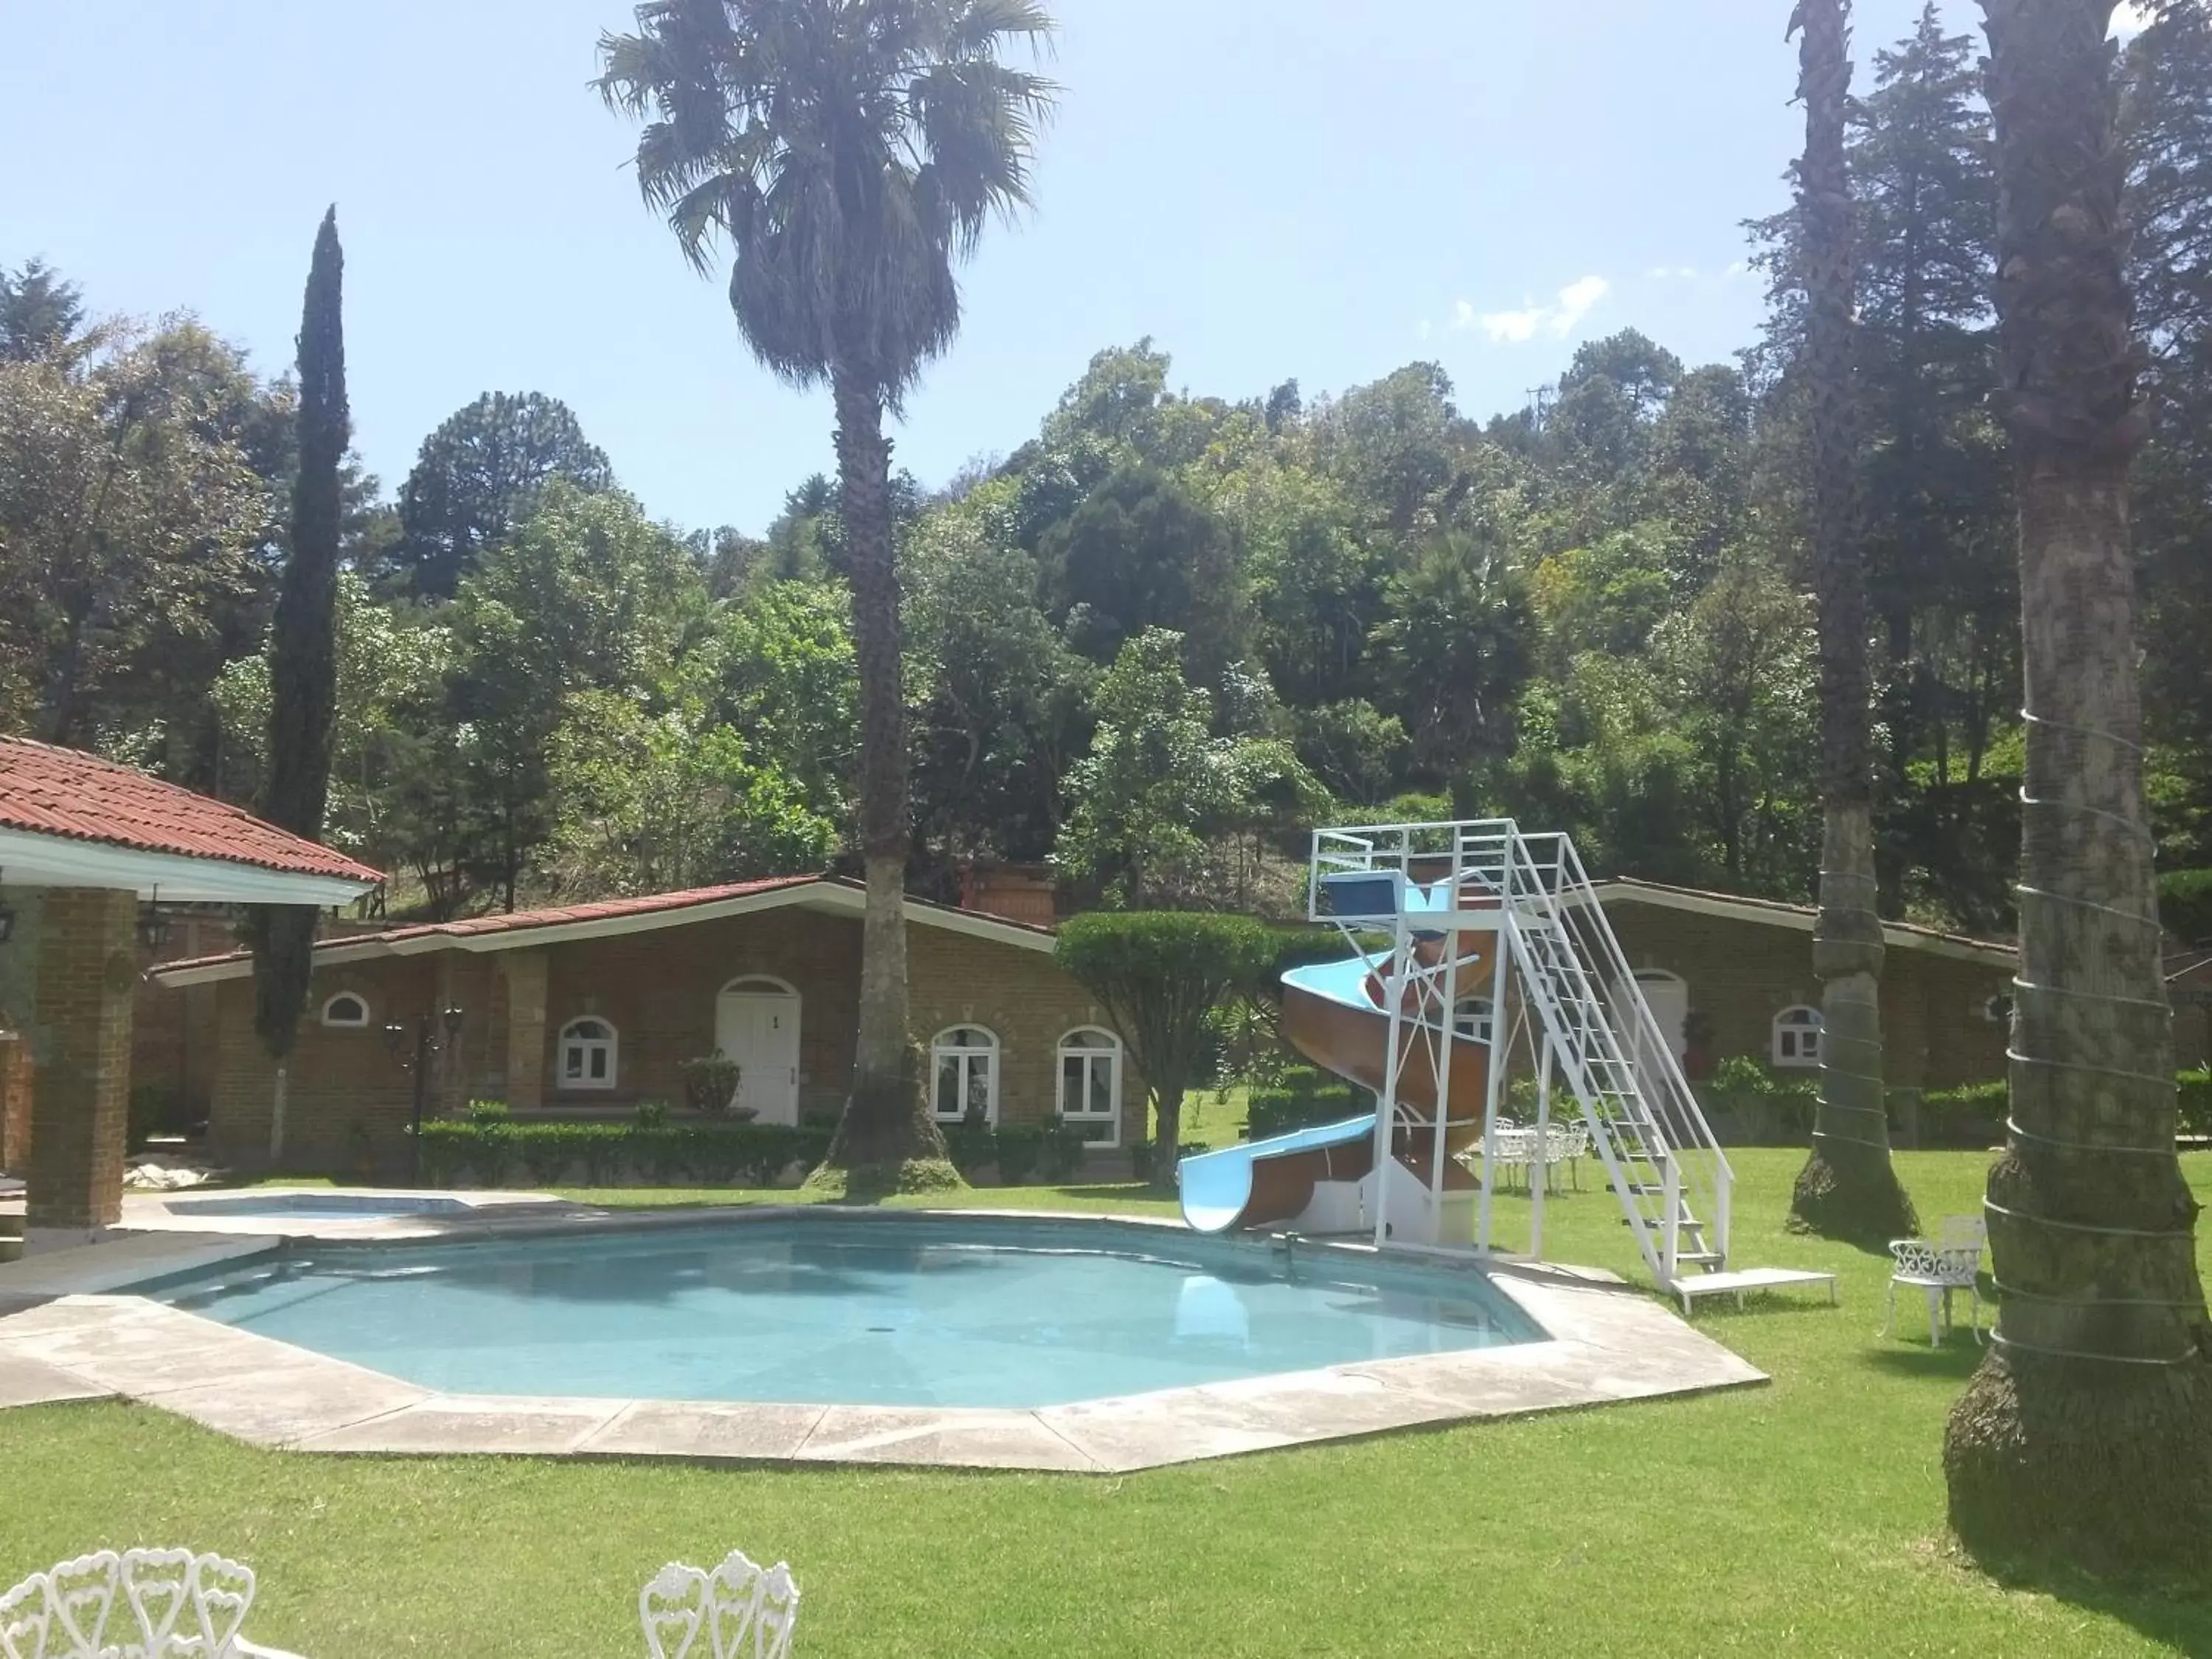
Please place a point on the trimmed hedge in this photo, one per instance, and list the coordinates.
(489, 1150)
(1305, 1096)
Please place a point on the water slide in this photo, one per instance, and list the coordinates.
(1336, 1014)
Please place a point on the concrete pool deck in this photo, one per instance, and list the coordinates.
(67, 1333)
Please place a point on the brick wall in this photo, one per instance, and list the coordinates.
(657, 989)
(86, 973)
(14, 1104)
(1741, 974)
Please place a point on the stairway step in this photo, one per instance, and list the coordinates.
(11, 1250)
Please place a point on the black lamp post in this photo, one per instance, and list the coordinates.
(7, 919)
(426, 1044)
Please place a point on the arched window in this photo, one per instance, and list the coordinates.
(1797, 1036)
(1473, 1018)
(1090, 1084)
(347, 1012)
(587, 1054)
(965, 1061)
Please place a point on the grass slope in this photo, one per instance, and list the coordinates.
(1804, 1518)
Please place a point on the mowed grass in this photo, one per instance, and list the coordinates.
(1805, 1517)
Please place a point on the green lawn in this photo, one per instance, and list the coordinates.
(1804, 1518)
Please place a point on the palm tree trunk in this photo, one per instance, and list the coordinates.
(2087, 1434)
(886, 1122)
(1847, 1188)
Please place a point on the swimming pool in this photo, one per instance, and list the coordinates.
(330, 1206)
(893, 1311)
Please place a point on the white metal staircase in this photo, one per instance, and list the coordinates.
(1586, 1014)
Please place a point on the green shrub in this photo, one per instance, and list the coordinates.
(710, 1083)
(487, 1111)
(710, 1153)
(651, 1114)
(1020, 1148)
(2193, 1100)
(971, 1144)
(2184, 904)
(1278, 1111)
(1064, 1149)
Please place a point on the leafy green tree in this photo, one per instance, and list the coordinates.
(303, 656)
(1001, 702)
(1453, 653)
(129, 515)
(850, 151)
(1142, 551)
(786, 677)
(659, 803)
(2086, 1434)
(1161, 977)
(1847, 1188)
(2167, 130)
(477, 478)
(586, 596)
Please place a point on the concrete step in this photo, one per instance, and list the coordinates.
(11, 1250)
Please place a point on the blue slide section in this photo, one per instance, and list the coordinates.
(1217, 1187)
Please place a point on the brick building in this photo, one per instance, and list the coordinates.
(1733, 976)
(85, 847)
(590, 1010)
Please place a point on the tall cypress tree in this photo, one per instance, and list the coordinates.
(303, 649)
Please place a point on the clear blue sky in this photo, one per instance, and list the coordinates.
(1269, 188)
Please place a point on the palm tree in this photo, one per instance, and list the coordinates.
(2087, 1434)
(849, 152)
(1847, 1188)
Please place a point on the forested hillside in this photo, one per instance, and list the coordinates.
(1177, 625)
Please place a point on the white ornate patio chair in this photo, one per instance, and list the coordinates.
(1950, 1263)
(738, 1611)
(140, 1604)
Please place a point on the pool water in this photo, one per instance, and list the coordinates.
(896, 1311)
(333, 1206)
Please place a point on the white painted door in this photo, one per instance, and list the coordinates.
(759, 1030)
(1670, 1000)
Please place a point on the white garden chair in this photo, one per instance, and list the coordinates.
(1950, 1263)
(740, 1610)
(174, 1605)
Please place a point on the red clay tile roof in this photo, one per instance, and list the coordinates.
(1629, 886)
(520, 921)
(598, 910)
(64, 792)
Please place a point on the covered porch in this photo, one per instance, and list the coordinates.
(84, 845)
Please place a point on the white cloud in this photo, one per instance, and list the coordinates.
(2130, 17)
(1739, 269)
(1573, 303)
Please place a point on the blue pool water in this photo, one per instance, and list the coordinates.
(332, 1207)
(897, 1311)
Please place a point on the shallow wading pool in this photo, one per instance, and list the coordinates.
(891, 1311)
(327, 1206)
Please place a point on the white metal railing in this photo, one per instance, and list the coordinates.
(1671, 1178)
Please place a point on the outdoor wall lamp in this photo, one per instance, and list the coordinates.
(154, 925)
(7, 920)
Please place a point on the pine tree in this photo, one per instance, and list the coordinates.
(2167, 130)
(303, 647)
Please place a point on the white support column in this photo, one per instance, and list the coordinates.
(1386, 1103)
(1501, 981)
(1543, 1149)
(1443, 1054)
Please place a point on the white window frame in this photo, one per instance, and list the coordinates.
(973, 1058)
(1786, 1038)
(584, 1082)
(358, 1000)
(1106, 1049)
(1475, 1019)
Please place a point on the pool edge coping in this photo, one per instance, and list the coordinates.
(1605, 1343)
